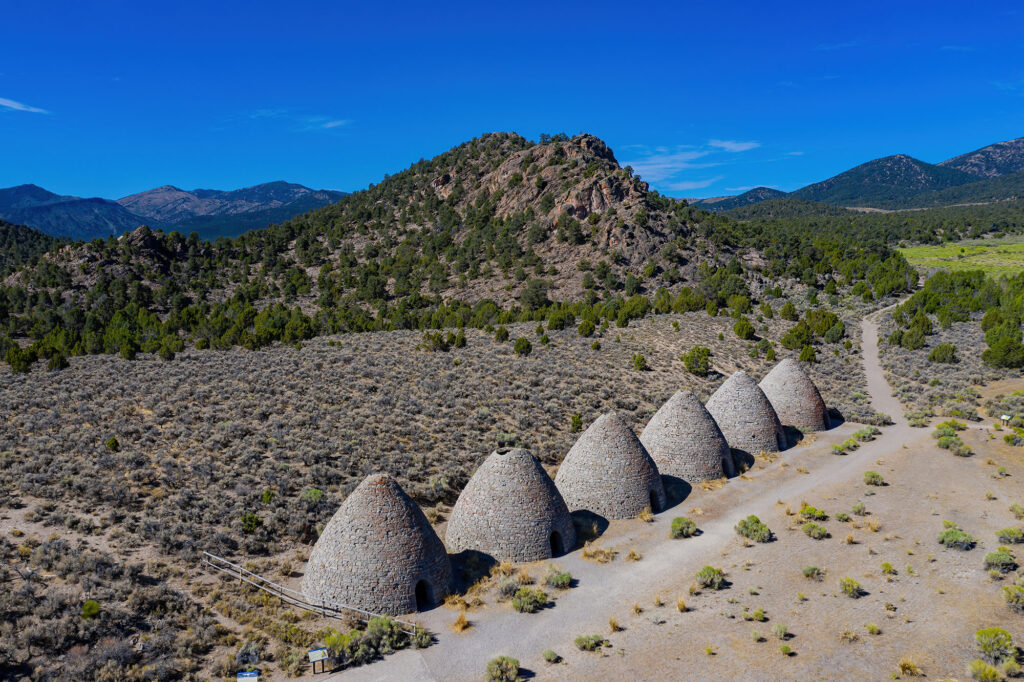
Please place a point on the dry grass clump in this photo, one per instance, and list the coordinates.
(595, 552)
(461, 623)
(907, 666)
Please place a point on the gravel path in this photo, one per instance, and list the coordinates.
(614, 587)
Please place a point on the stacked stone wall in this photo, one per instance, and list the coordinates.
(746, 417)
(795, 398)
(509, 510)
(374, 552)
(685, 441)
(609, 472)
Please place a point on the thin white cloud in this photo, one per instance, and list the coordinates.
(663, 165)
(1009, 86)
(958, 48)
(694, 184)
(660, 166)
(734, 145)
(794, 153)
(18, 106)
(298, 121)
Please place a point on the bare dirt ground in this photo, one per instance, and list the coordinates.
(926, 612)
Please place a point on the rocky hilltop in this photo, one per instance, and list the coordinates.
(1001, 158)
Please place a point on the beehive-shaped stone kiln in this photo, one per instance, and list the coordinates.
(511, 511)
(795, 398)
(746, 417)
(378, 553)
(609, 472)
(684, 441)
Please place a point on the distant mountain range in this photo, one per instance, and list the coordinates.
(211, 213)
(992, 173)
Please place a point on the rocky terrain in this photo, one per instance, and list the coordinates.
(1001, 158)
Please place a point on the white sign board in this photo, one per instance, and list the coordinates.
(248, 676)
(317, 655)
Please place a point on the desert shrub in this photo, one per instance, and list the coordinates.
(90, 609)
(1017, 511)
(983, 672)
(873, 478)
(501, 334)
(753, 528)
(113, 445)
(813, 573)
(381, 636)
(507, 587)
(576, 423)
(944, 353)
(586, 328)
(1001, 560)
(503, 669)
(589, 642)
(843, 517)
(808, 354)
(1010, 535)
(813, 513)
(711, 577)
(859, 509)
(1014, 596)
(743, 329)
(850, 587)
(550, 656)
(639, 362)
(528, 600)
(698, 361)
(814, 531)
(58, 362)
(682, 527)
(995, 644)
(522, 346)
(955, 538)
(866, 434)
(557, 578)
(251, 523)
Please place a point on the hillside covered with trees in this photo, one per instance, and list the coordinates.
(496, 230)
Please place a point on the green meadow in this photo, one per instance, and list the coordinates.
(997, 257)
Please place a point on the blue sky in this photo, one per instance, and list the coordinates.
(702, 99)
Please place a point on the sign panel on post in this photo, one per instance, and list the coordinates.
(318, 656)
(248, 676)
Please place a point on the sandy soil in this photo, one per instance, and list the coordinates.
(927, 612)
